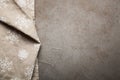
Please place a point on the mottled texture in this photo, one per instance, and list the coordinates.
(19, 43)
(80, 39)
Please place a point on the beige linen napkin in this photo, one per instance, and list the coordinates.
(19, 43)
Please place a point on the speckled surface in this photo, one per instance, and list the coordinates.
(80, 39)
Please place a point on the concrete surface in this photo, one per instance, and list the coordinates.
(80, 39)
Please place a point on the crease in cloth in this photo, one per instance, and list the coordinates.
(19, 41)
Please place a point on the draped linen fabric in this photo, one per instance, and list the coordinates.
(19, 43)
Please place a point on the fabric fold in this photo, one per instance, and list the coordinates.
(13, 15)
(19, 41)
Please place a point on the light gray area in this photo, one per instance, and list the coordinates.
(80, 39)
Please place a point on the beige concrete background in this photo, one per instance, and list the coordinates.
(80, 39)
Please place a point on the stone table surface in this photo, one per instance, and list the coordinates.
(80, 39)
